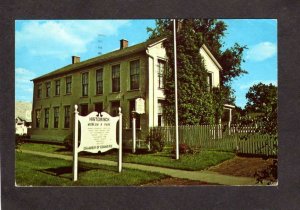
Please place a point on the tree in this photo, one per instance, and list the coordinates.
(196, 105)
(260, 97)
(262, 100)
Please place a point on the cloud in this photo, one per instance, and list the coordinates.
(250, 84)
(261, 51)
(62, 38)
(23, 85)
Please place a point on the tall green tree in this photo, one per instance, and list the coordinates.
(262, 99)
(196, 104)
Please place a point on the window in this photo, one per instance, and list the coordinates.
(116, 78)
(160, 113)
(161, 70)
(137, 116)
(114, 109)
(56, 117)
(84, 109)
(57, 87)
(46, 125)
(134, 74)
(37, 118)
(67, 117)
(48, 85)
(39, 91)
(99, 81)
(85, 83)
(209, 81)
(98, 107)
(68, 85)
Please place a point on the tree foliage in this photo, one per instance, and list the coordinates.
(196, 104)
(262, 99)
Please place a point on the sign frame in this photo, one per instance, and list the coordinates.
(77, 149)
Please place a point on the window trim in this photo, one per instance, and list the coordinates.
(48, 89)
(67, 116)
(57, 93)
(83, 85)
(136, 74)
(37, 119)
(55, 117)
(46, 117)
(118, 79)
(68, 83)
(39, 90)
(160, 75)
(99, 82)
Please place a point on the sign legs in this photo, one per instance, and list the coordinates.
(75, 147)
(120, 141)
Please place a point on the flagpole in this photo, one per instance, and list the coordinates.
(176, 101)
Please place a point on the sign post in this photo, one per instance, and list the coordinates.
(120, 141)
(139, 109)
(75, 147)
(98, 133)
(133, 132)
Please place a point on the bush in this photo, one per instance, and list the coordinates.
(155, 140)
(19, 140)
(68, 142)
(183, 149)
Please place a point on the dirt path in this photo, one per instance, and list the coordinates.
(242, 166)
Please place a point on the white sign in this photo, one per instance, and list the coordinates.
(98, 133)
(140, 106)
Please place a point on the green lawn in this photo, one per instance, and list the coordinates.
(34, 170)
(198, 161)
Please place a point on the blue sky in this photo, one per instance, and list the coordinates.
(45, 45)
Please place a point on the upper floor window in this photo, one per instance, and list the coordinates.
(57, 87)
(116, 78)
(37, 118)
(209, 81)
(68, 85)
(39, 91)
(99, 81)
(85, 83)
(56, 117)
(67, 117)
(134, 74)
(48, 88)
(46, 123)
(161, 70)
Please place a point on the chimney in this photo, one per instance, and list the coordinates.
(123, 44)
(75, 59)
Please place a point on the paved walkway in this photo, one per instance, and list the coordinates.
(204, 175)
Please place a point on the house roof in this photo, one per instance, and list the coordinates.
(105, 57)
(114, 54)
(211, 56)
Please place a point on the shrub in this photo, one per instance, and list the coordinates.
(183, 149)
(68, 142)
(155, 139)
(19, 140)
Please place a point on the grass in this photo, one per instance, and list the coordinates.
(34, 170)
(193, 162)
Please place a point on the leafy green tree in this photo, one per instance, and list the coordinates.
(262, 99)
(196, 104)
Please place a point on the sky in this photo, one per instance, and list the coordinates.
(42, 46)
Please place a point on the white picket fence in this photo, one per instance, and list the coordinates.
(243, 139)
